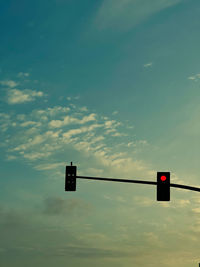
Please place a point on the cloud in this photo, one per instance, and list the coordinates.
(36, 155)
(126, 14)
(9, 83)
(196, 210)
(111, 123)
(67, 135)
(38, 139)
(147, 65)
(194, 78)
(144, 201)
(5, 122)
(29, 123)
(69, 98)
(70, 120)
(49, 166)
(23, 74)
(83, 109)
(15, 96)
(92, 135)
(23, 234)
(137, 143)
(182, 202)
(59, 206)
(91, 252)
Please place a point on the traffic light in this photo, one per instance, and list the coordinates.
(163, 186)
(70, 178)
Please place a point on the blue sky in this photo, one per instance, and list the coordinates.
(112, 85)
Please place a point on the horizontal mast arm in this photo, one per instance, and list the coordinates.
(117, 180)
(139, 182)
(185, 187)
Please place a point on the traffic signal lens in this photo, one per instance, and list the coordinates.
(163, 178)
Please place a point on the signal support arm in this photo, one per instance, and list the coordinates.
(139, 182)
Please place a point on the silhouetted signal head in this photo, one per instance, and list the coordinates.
(163, 186)
(70, 178)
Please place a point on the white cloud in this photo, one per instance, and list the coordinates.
(23, 74)
(130, 144)
(53, 134)
(69, 98)
(11, 157)
(83, 109)
(16, 96)
(119, 134)
(37, 155)
(37, 141)
(191, 78)
(70, 120)
(195, 77)
(109, 124)
(49, 166)
(29, 123)
(147, 65)
(56, 124)
(95, 171)
(50, 112)
(137, 143)
(67, 135)
(9, 83)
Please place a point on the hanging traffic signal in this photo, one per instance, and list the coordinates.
(163, 186)
(70, 178)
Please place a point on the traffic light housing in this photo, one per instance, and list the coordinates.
(70, 178)
(163, 186)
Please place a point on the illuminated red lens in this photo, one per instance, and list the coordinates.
(163, 178)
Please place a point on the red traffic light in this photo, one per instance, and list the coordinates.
(163, 186)
(163, 178)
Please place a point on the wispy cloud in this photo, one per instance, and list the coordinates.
(195, 77)
(196, 210)
(15, 96)
(147, 65)
(9, 83)
(70, 120)
(125, 14)
(69, 98)
(137, 143)
(42, 134)
(115, 112)
(23, 74)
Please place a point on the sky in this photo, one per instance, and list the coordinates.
(113, 86)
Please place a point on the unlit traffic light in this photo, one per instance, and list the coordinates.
(70, 178)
